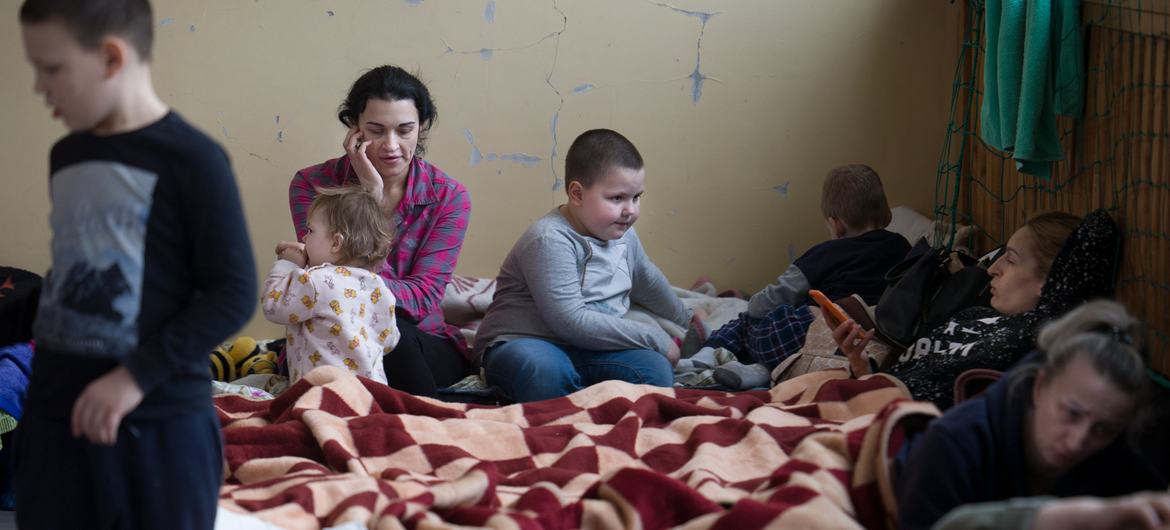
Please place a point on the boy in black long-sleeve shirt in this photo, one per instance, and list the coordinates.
(854, 261)
(151, 267)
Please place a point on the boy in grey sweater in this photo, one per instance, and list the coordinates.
(556, 323)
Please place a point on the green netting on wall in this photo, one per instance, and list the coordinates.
(1116, 153)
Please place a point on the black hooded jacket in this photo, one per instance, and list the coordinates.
(980, 337)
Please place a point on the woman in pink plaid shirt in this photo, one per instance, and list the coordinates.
(388, 112)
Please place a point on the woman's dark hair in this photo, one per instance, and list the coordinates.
(390, 83)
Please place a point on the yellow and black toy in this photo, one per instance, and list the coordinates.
(244, 356)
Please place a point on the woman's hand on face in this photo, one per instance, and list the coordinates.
(355, 146)
(292, 251)
(852, 340)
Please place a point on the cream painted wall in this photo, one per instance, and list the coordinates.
(790, 88)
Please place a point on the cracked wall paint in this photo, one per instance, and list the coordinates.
(782, 189)
(487, 53)
(166, 21)
(552, 158)
(478, 156)
(489, 12)
(697, 76)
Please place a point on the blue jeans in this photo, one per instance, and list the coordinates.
(533, 369)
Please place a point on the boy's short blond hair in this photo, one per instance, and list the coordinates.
(354, 213)
(853, 194)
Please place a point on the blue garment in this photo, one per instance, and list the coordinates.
(766, 340)
(526, 369)
(14, 369)
(975, 453)
(158, 474)
(853, 265)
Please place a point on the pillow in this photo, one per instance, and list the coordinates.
(913, 226)
(466, 299)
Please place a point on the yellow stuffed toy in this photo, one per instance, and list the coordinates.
(243, 356)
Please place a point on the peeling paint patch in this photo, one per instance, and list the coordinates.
(782, 189)
(280, 136)
(414, 2)
(330, 13)
(697, 76)
(166, 21)
(489, 11)
(278, 118)
(581, 89)
(522, 159)
(478, 156)
(486, 53)
(191, 28)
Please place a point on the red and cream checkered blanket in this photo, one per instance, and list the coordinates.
(810, 453)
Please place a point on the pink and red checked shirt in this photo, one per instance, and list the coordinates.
(429, 224)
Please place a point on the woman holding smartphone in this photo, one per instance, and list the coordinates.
(388, 112)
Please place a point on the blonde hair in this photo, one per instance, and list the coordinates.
(1106, 335)
(1050, 230)
(1103, 332)
(854, 195)
(354, 213)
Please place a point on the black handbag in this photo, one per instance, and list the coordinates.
(928, 287)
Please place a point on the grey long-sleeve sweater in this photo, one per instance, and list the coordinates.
(571, 289)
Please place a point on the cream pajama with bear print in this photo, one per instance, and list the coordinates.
(334, 315)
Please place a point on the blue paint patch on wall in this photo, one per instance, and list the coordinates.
(414, 2)
(522, 159)
(166, 21)
(697, 76)
(489, 11)
(478, 156)
(782, 189)
(486, 53)
(557, 181)
(581, 89)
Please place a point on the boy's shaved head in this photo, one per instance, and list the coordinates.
(89, 21)
(597, 151)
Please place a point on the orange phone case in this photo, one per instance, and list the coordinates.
(836, 314)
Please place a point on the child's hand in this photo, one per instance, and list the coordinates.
(355, 146)
(101, 406)
(672, 352)
(292, 251)
(852, 340)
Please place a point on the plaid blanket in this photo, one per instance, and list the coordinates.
(812, 452)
